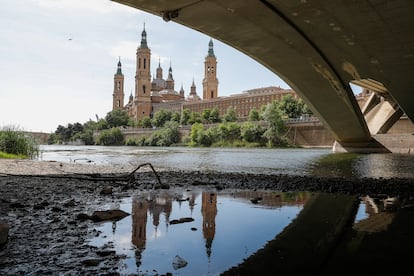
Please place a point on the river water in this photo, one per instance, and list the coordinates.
(223, 228)
(320, 162)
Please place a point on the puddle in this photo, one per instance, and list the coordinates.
(217, 230)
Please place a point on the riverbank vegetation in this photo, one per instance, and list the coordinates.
(15, 143)
(264, 127)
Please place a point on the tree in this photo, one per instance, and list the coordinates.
(305, 108)
(254, 115)
(110, 137)
(166, 136)
(185, 117)
(60, 133)
(273, 117)
(233, 131)
(176, 117)
(251, 132)
(290, 106)
(214, 115)
(146, 122)
(206, 115)
(102, 124)
(230, 115)
(195, 117)
(117, 117)
(195, 129)
(161, 117)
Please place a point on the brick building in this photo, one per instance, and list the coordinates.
(158, 93)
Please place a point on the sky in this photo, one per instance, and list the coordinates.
(58, 59)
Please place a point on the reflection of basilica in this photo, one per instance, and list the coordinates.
(155, 206)
(139, 223)
(209, 212)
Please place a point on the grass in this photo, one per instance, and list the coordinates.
(5, 155)
(16, 143)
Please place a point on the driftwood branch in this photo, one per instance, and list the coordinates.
(131, 176)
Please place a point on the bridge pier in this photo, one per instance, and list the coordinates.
(372, 146)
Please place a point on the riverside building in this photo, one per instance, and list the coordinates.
(156, 93)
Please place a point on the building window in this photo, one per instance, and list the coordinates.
(212, 94)
(145, 63)
(119, 103)
(143, 89)
(139, 63)
(118, 85)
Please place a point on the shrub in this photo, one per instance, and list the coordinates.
(17, 142)
(110, 137)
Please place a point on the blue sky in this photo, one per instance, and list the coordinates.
(58, 59)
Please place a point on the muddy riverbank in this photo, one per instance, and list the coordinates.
(41, 202)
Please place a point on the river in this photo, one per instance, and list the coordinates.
(224, 228)
(319, 162)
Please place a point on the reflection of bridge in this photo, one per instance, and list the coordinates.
(319, 47)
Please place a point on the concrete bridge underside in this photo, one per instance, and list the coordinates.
(317, 47)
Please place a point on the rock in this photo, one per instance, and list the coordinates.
(4, 233)
(91, 262)
(181, 220)
(106, 191)
(104, 253)
(256, 200)
(17, 205)
(70, 203)
(178, 262)
(82, 216)
(113, 215)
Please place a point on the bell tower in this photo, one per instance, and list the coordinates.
(210, 81)
(142, 102)
(118, 95)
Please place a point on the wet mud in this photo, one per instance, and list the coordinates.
(48, 215)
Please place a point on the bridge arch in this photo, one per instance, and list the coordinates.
(316, 47)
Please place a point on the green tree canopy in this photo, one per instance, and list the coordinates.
(230, 115)
(214, 115)
(291, 107)
(117, 117)
(146, 122)
(254, 115)
(251, 132)
(161, 117)
(273, 117)
(205, 115)
(110, 137)
(185, 116)
(195, 117)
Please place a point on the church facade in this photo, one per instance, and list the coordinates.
(156, 93)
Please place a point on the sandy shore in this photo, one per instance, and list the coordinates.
(33, 167)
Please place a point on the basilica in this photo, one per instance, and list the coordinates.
(155, 93)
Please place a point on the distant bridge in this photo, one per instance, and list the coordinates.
(319, 47)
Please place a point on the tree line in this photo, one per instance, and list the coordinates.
(264, 127)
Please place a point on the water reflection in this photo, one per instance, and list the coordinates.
(377, 165)
(376, 213)
(211, 231)
(204, 232)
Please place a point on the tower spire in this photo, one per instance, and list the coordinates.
(210, 49)
(119, 69)
(144, 38)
